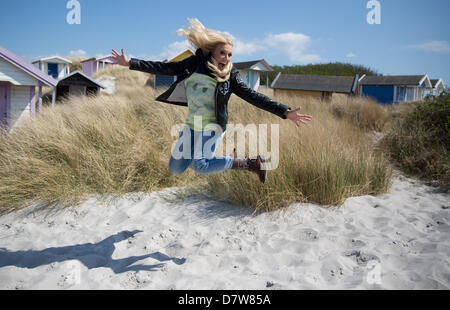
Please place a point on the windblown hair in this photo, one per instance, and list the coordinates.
(207, 39)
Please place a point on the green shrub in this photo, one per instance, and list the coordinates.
(434, 116)
(419, 142)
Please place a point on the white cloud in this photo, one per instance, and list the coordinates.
(433, 46)
(245, 48)
(170, 51)
(294, 45)
(176, 48)
(79, 52)
(351, 55)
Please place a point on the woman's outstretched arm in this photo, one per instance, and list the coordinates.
(155, 67)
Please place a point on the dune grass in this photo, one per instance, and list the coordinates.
(364, 113)
(92, 145)
(324, 162)
(121, 143)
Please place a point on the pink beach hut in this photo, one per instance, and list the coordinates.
(94, 65)
(18, 82)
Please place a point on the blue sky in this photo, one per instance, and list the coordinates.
(413, 37)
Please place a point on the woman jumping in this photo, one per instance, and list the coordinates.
(205, 82)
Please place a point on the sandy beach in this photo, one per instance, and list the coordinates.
(398, 240)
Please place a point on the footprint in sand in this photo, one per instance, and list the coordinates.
(332, 272)
(361, 258)
(357, 243)
(307, 234)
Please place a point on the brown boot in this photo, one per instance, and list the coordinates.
(255, 165)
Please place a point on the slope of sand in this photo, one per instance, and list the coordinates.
(400, 240)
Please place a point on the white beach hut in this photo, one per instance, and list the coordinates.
(251, 72)
(55, 66)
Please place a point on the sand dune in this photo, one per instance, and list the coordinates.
(399, 240)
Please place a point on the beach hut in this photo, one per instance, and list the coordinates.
(164, 81)
(77, 84)
(251, 72)
(395, 88)
(55, 66)
(93, 65)
(437, 86)
(321, 87)
(18, 82)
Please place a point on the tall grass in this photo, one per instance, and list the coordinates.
(122, 143)
(324, 162)
(91, 145)
(365, 113)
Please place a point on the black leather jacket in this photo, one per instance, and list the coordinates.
(176, 94)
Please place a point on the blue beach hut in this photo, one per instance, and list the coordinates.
(395, 89)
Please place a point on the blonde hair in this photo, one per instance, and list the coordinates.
(207, 39)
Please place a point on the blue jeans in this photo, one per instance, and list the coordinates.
(197, 148)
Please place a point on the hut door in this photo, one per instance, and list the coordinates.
(3, 103)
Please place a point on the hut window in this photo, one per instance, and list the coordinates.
(53, 70)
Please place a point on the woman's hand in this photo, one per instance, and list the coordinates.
(297, 117)
(121, 59)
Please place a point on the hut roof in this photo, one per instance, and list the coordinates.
(97, 58)
(186, 54)
(438, 83)
(250, 64)
(336, 84)
(27, 67)
(54, 58)
(79, 78)
(403, 80)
